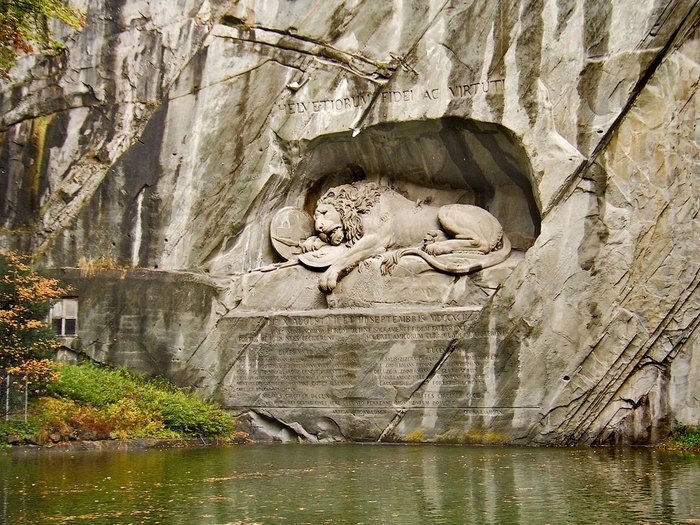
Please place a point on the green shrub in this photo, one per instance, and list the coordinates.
(96, 402)
(133, 421)
(139, 405)
(64, 419)
(685, 436)
(90, 384)
(17, 428)
(192, 416)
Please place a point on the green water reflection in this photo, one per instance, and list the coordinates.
(352, 484)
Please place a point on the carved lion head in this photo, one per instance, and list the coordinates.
(350, 201)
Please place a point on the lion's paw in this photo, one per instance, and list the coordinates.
(389, 262)
(429, 238)
(328, 280)
(433, 236)
(437, 248)
(364, 265)
(311, 244)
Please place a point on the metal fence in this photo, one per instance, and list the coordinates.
(14, 393)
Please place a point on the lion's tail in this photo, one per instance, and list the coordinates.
(472, 262)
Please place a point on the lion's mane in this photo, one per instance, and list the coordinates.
(351, 201)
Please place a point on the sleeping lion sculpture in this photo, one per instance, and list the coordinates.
(372, 220)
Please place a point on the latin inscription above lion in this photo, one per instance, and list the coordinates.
(355, 222)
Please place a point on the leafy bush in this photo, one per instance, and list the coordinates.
(15, 428)
(90, 384)
(685, 436)
(69, 419)
(63, 419)
(133, 421)
(93, 402)
(139, 407)
(192, 416)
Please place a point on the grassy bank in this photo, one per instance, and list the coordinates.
(89, 402)
(684, 437)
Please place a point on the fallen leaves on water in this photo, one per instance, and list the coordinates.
(99, 516)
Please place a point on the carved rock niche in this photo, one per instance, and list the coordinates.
(426, 167)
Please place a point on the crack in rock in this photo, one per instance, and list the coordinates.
(400, 412)
(358, 65)
(674, 40)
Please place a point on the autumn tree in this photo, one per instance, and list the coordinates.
(26, 343)
(24, 24)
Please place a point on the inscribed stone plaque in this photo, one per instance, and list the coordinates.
(346, 359)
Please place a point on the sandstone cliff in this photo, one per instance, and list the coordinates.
(168, 133)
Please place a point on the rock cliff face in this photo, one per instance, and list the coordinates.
(168, 134)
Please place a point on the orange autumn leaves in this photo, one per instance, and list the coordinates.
(26, 343)
(25, 24)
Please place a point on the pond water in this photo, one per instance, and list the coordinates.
(351, 484)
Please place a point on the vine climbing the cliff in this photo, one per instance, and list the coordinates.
(25, 24)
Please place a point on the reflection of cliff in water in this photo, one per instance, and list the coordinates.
(349, 484)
